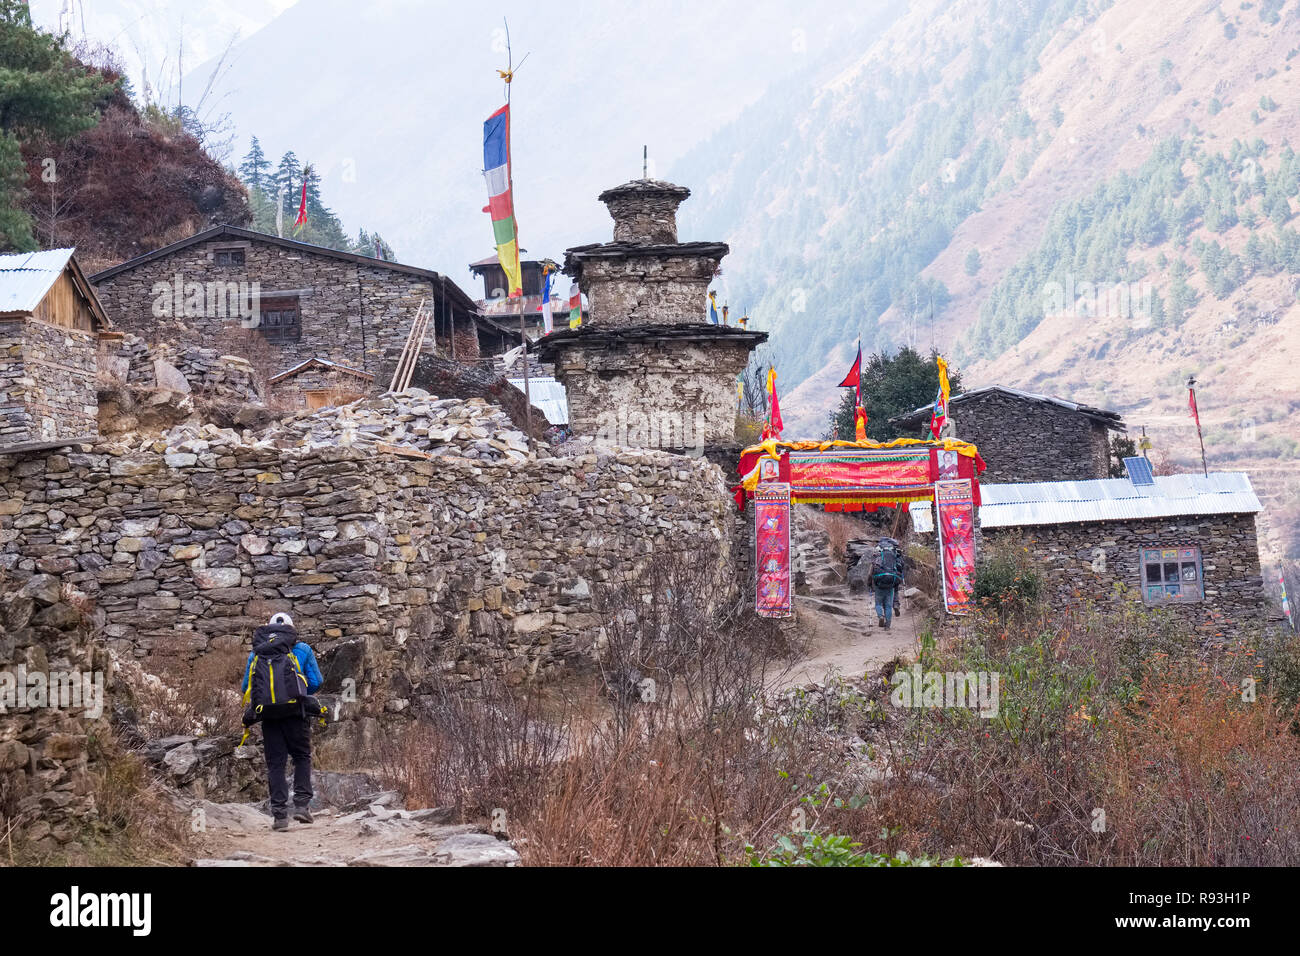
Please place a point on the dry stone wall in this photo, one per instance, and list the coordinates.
(642, 289)
(47, 383)
(655, 393)
(397, 569)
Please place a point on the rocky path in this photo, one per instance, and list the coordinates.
(843, 633)
(379, 833)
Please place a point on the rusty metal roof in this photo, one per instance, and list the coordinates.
(1029, 504)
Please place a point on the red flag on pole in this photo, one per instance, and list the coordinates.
(854, 379)
(1191, 405)
(302, 206)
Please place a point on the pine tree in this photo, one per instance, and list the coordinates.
(892, 385)
(285, 184)
(255, 170)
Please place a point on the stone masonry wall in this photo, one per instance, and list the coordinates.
(1024, 440)
(394, 568)
(351, 313)
(15, 416)
(647, 289)
(1099, 561)
(641, 218)
(656, 393)
(47, 383)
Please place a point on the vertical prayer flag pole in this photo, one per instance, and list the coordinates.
(1196, 416)
(500, 183)
(528, 395)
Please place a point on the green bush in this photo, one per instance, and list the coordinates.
(817, 849)
(1007, 578)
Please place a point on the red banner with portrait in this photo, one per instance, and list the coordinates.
(954, 504)
(772, 548)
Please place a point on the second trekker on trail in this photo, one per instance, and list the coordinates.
(280, 677)
(885, 579)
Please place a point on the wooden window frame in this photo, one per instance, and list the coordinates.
(230, 253)
(272, 321)
(1171, 575)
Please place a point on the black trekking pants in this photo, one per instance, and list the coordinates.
(283, 738)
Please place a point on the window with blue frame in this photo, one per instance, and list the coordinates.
(1172, 576)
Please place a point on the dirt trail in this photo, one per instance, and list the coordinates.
(842, 628)
(850, 645)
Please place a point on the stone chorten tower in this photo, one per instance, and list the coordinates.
(647, 368)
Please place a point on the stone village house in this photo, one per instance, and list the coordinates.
(1023, 436)
(248, 292)
(50, 327)
(1186, 543)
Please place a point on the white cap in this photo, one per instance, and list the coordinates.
(282, 618)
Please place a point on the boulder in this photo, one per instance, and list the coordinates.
(168, 376)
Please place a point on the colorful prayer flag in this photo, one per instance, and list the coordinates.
(725, 310)
(548, 320)
(772, 549)
(940, 414)
(774, 418)
(1191, 405)
(954, 505)
(575, 306)
(713, 308)
(1286, 605)
(496, 170)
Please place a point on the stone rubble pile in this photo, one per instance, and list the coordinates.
(207, 371)
(413, 420)
(222, 376)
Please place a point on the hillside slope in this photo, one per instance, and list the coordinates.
(1138, 144)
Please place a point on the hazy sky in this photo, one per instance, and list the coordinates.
(387, 98)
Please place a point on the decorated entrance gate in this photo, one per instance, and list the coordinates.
(861, 475)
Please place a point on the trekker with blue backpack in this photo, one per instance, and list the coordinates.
(886, 578)
(279, 680)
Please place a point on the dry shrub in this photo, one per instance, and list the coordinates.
(142, 822)
(184, 694)
(1119, 740)
(1198, 777)
(687, 771)
(839, 527)
(265, 358)
(473, 752)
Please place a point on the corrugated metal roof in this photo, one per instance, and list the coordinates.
(1109, 499)
(548, 396)
(27, 276)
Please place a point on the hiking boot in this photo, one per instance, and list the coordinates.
(880, 621)
(281, 823)
(303, 815)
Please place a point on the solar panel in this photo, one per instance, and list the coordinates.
(1139, 471)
